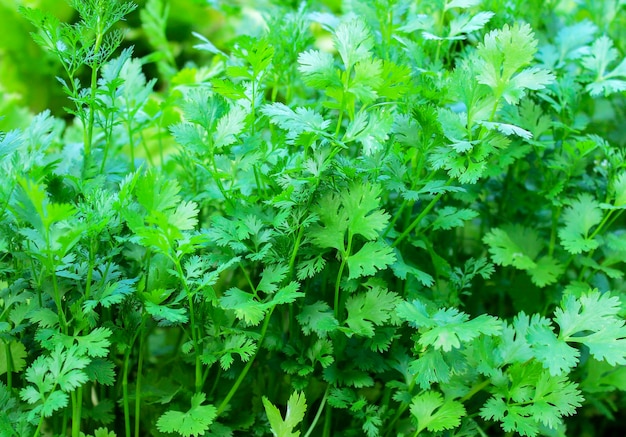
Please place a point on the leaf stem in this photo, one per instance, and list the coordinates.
(417, 220)
(318, 414)
(344, 260)
(77, 403)
(248, 365)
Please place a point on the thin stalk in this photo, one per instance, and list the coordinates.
(92, 257)
(217, 379)
(328, 422)
(192, 320)
(126, 405)
(248, 365)
(396, 216)
(478, 387)
(600, 227)
(553, 231)
(77, 403)
(131, 143)
(88, 137)
(401, 409)
(417, 220)
(7, 348)
(340, 118)
(138, 382)
(294, 252)
(318, 414)
(344, 259)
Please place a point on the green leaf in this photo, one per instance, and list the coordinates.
(270, 278)
(302, 120)
(546, 271)
(353, 41)
(318, 69)
(583, 214)
(354, 209)
(447, 328)
(606, 82)
(94, 344)
(463, 24)
(100, 432)
(361, 202)
(552, 352)
(194, 422)
(101, 370)
(514, 245)
(371, 308)
(450, 217)
(532, 398)
(18, 355)
(237, 344)
(245, 306)
(593, 321)
(296, 409)
(504, 52)
(430, 367)
(373, 256)
(318, 318)
(229, 126)
(287, 294)
(433, 413)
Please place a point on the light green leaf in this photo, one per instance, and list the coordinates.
(194, 422)
(433, 413)
(373, 256)
(296, 409)
(583, 214)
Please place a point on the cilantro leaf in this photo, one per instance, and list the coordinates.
(593, 321)
(193, 422)
(353, 41)
(296, 409)
(318, 318)
(354, 209)
(302, 120)
(446, 328)
(373, 307)
(605, 82)
(583, 214)
(532, 398)
(373, 256)
(245, 306)
(434, 413)
(514, 245)
(519, 246)
(504, 52)
(318, 69)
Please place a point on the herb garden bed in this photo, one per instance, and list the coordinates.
(379, 218)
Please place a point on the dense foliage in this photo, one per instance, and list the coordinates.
(379, 218)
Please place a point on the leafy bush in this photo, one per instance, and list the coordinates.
(372, 218)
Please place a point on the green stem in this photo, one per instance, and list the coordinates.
(418, 219)
(328, 422)
(7, 348)
(193, 327)
(77, 403)
(478, 387)
(125, 400)
(344, 260)
(248, 365)
(131, 143)
(138, 383)
(318, 414)
(88, 137)
(396, 217)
